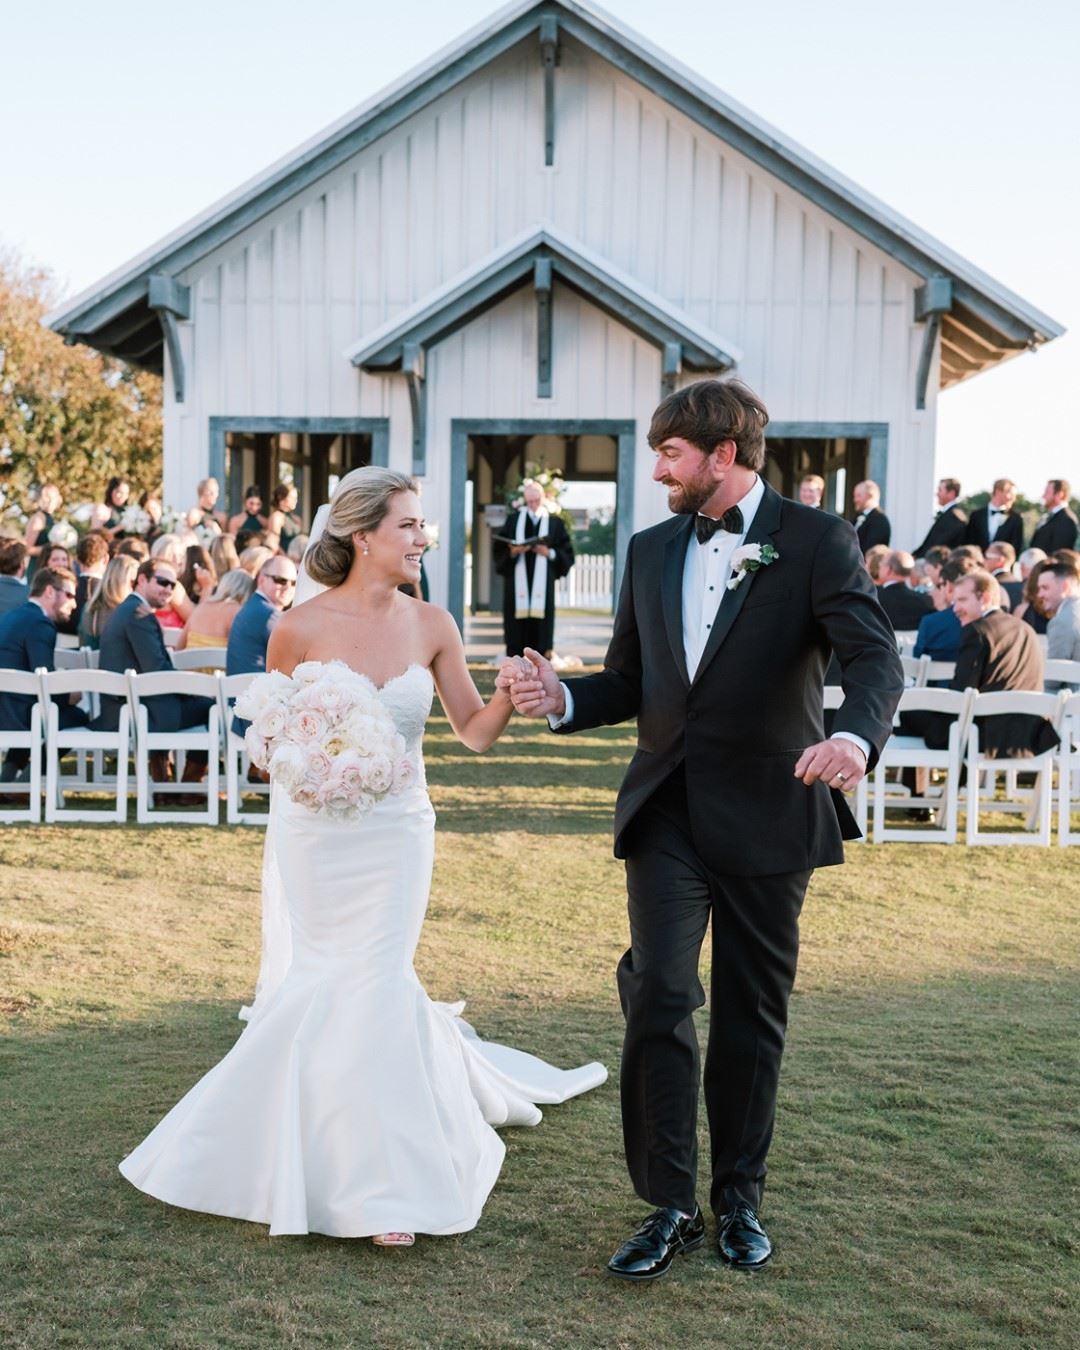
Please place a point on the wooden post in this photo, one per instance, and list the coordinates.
(542, 277)
(549, 55)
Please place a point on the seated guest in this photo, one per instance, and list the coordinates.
(171, 549)
(275, 586)
(212, 620)
(811, 489)
(872, 558)
(198, 577)
(1059, 596)
(971, 551)
(249, 539)
(1000, 561)
(92, 556)
(298, 548)
(1028, 560)
(55, 556)
(132, 640)
(997, 652)
(223, 554)
(933, 561)
(252, 559)
(939, 631)
(116, 585)
(998, 522)
(135, 548)
(1030, 609)
(904, 606)
(27, 642)
(13, 562)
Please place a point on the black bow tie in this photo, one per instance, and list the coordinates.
(705, 526)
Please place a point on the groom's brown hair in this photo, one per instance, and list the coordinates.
(710, 411)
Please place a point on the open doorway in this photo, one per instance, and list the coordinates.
(313, 453)
(843, 453)
(488, 462)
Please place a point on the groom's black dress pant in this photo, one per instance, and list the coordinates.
(755, 942)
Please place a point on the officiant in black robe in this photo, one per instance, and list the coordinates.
(528, 601)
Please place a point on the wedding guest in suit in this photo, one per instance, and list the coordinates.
(726, 808)
(933, 561)
(1058, 526)
(13, 587)
(27, 642)
(249, 633)
(530, 570)
(939, 631)
(1000, 562)
(997, 652)
(132, 640)
(811, 489)
(998, 522)
(1059, 595)
(871, 523)
(950, 524)
(904, 606)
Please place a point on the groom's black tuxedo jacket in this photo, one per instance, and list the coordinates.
(755, 703)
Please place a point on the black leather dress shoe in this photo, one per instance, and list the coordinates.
(665, 1234)
(741, 1240)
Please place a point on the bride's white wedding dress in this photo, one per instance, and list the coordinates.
(352, 1104)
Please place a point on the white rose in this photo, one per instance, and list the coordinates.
(287, 765)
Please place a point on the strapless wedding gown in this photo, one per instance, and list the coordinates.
(352, 1104)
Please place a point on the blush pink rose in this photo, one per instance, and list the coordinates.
(307, 726)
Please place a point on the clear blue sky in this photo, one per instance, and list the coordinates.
(123, 119)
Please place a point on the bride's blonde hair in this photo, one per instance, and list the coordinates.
(360, 503)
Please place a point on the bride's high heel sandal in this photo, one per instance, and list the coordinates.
(394, 1239)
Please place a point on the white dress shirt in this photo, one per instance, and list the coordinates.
(706, 572)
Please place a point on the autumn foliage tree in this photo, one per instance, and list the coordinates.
(67, 414)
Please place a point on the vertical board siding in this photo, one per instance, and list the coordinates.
(823, 319)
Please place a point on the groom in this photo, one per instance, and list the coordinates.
(726, 619)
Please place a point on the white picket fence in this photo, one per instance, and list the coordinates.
(588, 584)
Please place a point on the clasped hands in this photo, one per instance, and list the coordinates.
(536, 691)
(534, 688)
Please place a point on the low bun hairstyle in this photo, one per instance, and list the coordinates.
(359, 504)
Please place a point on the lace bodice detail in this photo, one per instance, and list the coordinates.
(407, 698)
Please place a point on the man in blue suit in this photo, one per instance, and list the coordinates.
(13, 588)
(132, 640)
(27, 642)
(249, 635)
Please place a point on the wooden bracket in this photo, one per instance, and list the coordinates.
(932, 299)
(171, 301)
(413, 368)
(671, 368)
(549, 56)
(542, 279)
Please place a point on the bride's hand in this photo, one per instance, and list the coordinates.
(513, 668)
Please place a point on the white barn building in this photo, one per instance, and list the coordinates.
(512, 253)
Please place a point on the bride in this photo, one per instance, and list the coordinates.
(352, 1105)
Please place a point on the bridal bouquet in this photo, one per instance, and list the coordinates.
(325, 738)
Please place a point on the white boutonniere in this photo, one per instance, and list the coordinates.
(748, 559)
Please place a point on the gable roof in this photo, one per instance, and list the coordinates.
(985, 323)
(510, 267)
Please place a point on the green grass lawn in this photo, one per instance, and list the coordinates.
(923, 1186)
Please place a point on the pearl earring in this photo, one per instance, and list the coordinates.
(366, 550)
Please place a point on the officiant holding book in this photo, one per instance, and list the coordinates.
(532, 551)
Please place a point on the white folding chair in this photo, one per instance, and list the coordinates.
(171, 636)
(939, 671)
(1069, 770)
(905, 640)
(67, 641)
(66, 659)
(206, 739)
(237, 761)
(1034, 805)
(85, 742)
(1062, 672)
(23, 682)
(915, 668)
(197, 658)
(912, 752)
(834, 697)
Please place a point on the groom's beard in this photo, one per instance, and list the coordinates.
(687, 499)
